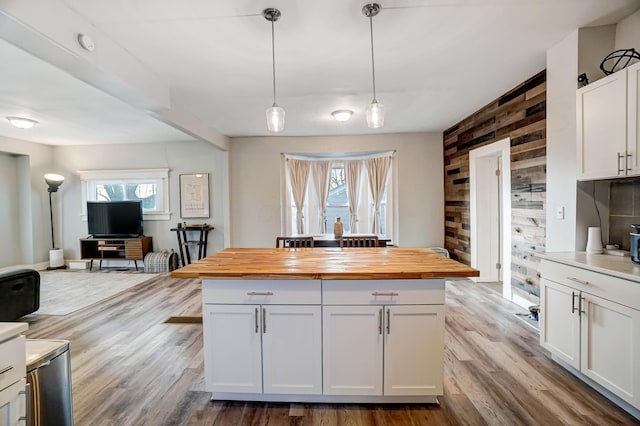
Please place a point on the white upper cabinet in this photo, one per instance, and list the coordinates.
(607, 123)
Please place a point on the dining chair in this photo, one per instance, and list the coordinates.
(362, 241)
(294, 242)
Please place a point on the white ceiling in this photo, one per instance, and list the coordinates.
(437, 61)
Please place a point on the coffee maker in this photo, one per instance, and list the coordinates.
(634, 246)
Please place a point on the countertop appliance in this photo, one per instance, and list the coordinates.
(49, 377)
(634, 243)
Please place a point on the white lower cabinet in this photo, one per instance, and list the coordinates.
(263, 349)
(324, 341)
(597, 336)
(383, 350)
(13, 404)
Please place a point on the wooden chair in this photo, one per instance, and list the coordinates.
(294, 242)
(363, 241)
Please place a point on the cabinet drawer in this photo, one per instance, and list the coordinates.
(266, 292)
(12, 361)
(383, 292)
(617, 290)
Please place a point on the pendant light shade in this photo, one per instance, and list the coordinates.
(375, 115)
(275, 114)
(375, 111)
(275, 119)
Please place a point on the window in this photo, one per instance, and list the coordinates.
(150, 186)
(338, 200)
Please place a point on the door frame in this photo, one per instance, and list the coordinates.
(502, 149)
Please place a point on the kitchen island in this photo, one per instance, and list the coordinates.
(324, 324)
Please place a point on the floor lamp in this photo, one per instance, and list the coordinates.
(56, 256)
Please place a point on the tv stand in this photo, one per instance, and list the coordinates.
(106, 248)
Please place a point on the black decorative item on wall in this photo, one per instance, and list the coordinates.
(619, 59)
(582, 80)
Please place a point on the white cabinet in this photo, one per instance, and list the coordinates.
(352, 350)
(324, 341)
(12, 374)
(607, 126)
(585, 322)
(381, 347)
(254, 348)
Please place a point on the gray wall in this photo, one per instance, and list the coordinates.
(255, 165)
(179, 157)
(25, 229)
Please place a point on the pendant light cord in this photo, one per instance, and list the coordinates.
(373, 65)
(273, 62)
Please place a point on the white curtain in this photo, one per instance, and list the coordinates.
(353, 171)
(321, 173)
(378, 170)
(298, 175)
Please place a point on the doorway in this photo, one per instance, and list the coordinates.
(490, 216)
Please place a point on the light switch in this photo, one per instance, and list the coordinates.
(560, 213)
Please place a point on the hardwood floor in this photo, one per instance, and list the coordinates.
(131, 368)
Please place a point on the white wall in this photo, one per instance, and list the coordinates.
(30, 209)
(255, 165)
(628, 32)
(562, 73)
(594, 44)
(9, 210)
(179, 157)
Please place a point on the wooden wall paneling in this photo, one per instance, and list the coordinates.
(519, 114)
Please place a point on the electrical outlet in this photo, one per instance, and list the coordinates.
(560, 213)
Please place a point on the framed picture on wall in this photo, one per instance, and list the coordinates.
(194, 195)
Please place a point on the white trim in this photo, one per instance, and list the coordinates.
(503, 149)
(86, 176)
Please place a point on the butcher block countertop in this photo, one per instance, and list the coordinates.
(326, 263)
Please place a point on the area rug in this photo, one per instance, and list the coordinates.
(64, 292)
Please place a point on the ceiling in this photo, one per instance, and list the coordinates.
(437, 61)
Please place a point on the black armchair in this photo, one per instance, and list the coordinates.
(19, 293)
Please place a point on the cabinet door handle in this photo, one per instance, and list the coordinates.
(6, 369)
(581, 311)
(389, 293)
(627, 161)
(380, 322)
(388, 321)
(620, 169)
(259, 293)
(576, 280)
(573, 302)
(27, 405)
(264, 320)
(257, 322)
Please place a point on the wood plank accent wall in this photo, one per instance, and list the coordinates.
(519, 114)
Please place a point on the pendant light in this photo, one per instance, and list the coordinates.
(275, 114)
(375, 111)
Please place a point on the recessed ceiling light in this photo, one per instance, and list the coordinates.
(342, 115)
(22, 123)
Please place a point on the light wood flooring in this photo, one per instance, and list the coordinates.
(131, 368)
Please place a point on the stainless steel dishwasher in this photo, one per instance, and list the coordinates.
(49, 380)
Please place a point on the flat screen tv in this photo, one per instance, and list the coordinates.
(114, 218)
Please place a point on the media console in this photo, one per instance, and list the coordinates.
(102, 248)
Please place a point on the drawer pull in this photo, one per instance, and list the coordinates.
(259, 293)
(27, 398)
(576, 280)
(6, 369)
(390, 293)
